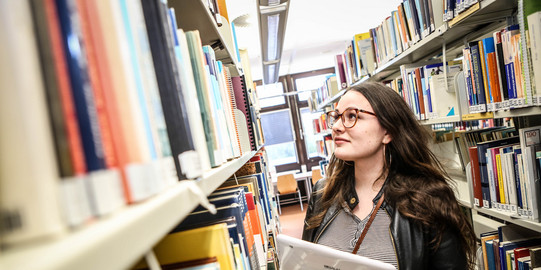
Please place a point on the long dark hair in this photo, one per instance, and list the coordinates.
(417, 185)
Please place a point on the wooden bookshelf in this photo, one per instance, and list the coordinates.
(119, 240)
(195, 15)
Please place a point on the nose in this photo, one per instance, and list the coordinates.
(338, 125)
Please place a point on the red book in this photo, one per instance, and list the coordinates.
(68, 107)
(419, 87)
(476, 177)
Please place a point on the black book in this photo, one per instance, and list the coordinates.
(174, 108)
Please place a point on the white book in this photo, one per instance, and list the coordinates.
(29, 178)
(530, 142)
(534, 29)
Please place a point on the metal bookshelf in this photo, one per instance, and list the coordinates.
(119, 240)
(195, 15)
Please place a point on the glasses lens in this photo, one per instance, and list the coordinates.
(331, 119)
(349, 117)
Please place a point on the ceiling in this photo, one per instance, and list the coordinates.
(316, 30)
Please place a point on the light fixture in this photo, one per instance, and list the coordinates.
(272, 23)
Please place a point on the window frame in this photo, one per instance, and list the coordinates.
(294, 105)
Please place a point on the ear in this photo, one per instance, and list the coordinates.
(387, 138)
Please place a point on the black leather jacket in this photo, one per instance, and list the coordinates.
(411, 243)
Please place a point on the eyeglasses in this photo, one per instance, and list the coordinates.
(349, 117)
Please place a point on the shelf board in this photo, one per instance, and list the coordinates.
(454, 118)
(118, 240)
(194, 15)
(507, 217)
(331, 100)
(526, 111)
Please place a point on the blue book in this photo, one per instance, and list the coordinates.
(477, 72)
(490, 255)
(81, 87)
(488, 47)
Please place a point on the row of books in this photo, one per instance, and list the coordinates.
(511, 248)
(325, 146)
(238, 234)
(110, 103)
(412, 21)
(505, 169)
(495, 72)
(327, 90)
(428, 89)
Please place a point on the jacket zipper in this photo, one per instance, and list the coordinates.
(326, 225)
(392, 240)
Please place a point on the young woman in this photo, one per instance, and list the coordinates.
(382, 153)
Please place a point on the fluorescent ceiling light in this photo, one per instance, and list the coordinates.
(272, 23)
(272, 36)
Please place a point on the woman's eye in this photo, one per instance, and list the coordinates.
(351, 116)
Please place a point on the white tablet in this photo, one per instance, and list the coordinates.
(296, 254)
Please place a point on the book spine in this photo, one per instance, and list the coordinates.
(80, 85)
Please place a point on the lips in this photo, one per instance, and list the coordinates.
(339, 140)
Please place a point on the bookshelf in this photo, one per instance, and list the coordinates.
(448, 35)
(478, 21)
(119, 240)
(194, 15)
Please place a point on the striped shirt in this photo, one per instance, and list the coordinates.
(343, 232)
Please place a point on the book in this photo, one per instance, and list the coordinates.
(488, 252)
(29, 170)
(195, 244)
(242, 102)
(530, 143)
(202, 84)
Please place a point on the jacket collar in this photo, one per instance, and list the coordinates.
(352, 200)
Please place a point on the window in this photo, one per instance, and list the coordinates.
(271, 95)
(287, 121)
(310, 137)
(279, 138)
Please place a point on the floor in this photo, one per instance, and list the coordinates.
(292, 220)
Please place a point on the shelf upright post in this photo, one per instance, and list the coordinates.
(152, 261)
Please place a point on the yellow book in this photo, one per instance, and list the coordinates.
(500, 179)
(205, 242)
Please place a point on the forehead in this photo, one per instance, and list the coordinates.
(353, 99)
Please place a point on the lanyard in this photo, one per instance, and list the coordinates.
(365, 230)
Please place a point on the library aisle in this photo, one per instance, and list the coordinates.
(292, 220)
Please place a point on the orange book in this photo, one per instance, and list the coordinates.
(68, 107)
(403, 24)
(121, 139)
(494, 77)
(93, 55)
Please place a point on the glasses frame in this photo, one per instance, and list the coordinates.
(339, 116)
